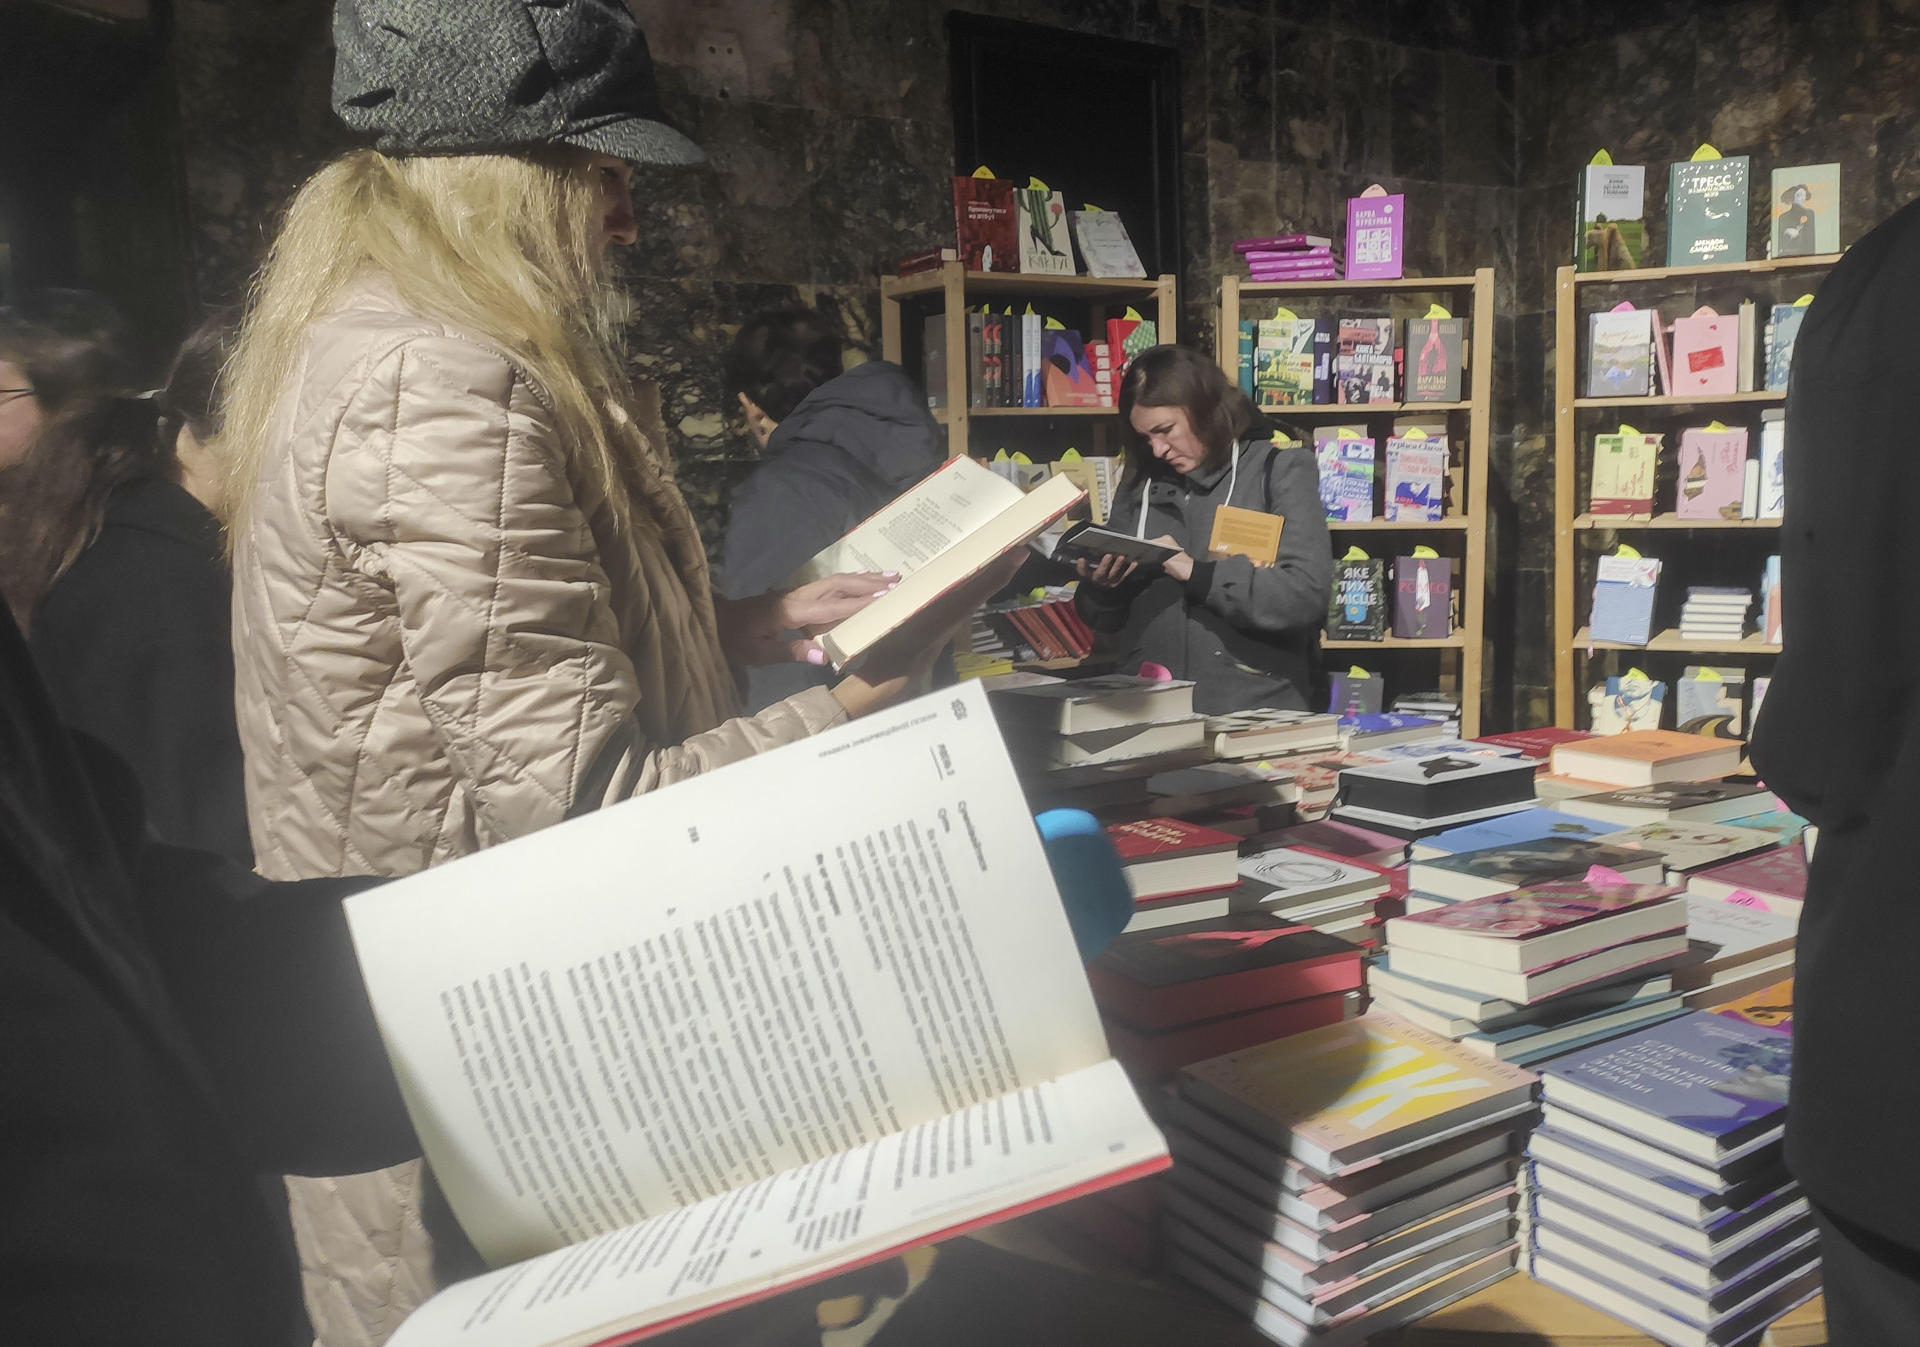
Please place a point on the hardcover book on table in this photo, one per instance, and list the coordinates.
(1339, 1096)
(1079, 705)
(1707, 211)
(1722, 935)
(1773, 880)
(1200, 970)
(1549, 869)
(1643, 957)
(1686, 846)
(1422, 598)
(1266, 730)
(1806, 211)
(1342, 840)
(1770, 1007)
(1708, 1088)
(1538, 743)
(1694, 802)
(1297, 878)
(1164, 857)
(1432, 787)
(1610, 217)
(1647, 757)
(1416, 479)
(1435, 349)
(1527, 825)
(1358, 611)
(1121, 743)
(984, 219)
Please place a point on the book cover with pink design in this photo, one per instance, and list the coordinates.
(1713, 474)
(1376, 237)
(1706, 354)
(1775, 881)
(1534, 911)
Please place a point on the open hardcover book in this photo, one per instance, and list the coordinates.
(758, 1028)
(937, 536)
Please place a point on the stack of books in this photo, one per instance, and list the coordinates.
(1440, 706)
(1772, 881)
(1180, 994)
(1365, 731)
(1505, 830)
(1032, 629)
(1715, 613)
(1332, 893)
(1656, 1185)
(1266, 731)
(1289, 257)
(1176, 871)
(1525, 975)
(1237, 797)
(1412, 796)
(1344, 1181)
(1088, 734)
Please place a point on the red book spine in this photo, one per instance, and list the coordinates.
(1153, 1057)
(1187, 1003)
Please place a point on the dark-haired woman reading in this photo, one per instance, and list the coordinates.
(1247, 635)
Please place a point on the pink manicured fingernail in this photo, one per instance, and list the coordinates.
(816, 657)
(882, 593)
(891, 575)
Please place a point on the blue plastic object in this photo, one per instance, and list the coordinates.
(1087, 871)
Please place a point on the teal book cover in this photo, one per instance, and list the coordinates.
(1806, 211)
(1707, 211)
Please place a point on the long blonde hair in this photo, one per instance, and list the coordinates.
(504, 246)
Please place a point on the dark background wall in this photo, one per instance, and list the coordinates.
(830, 134)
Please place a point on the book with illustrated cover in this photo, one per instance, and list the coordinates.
(1162, 857)
(1358, 611)
(1783, 329)
(1045, 248)
(1338, 1096)
(1620, 353)
(1705, 1087)
(1624, 466)
(1422, 598)
(1297, 878)
(1806, 211)
(1435, 351)
(1610, 228)
(1624, 589)
(1416, 479)
(1775, 881)
(1363, 360)
(1545, 861)
(1079, 705)
(1726, 935)
(1707, 211)
(1707, 700)
(1687, 846)
(964, 517)
(1376, 237)
(496, 982)
(985, 220)
(1538, 743)
(1105, 246)
(1340, 839)
(1697, 802)
(1782, 824)
(1713, 473)
(1292, 361)
(1706, 354)
(1346, 474)
(1771, 1007)
(1358, 692)
(1528, 825)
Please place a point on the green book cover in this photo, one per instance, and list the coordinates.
(1707, 212)
(1610, 227)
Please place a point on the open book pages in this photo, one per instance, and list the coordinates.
(936, 536)
(764, 1025)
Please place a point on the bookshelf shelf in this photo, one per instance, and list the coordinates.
(1757, 267)
(1671, 640)
(1682, 400)
(1452, 521)
(949, 289)
(1577, 534)
(1457, 641)
(1471, 297)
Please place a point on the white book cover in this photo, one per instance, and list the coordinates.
(1299, 876)
(1692, 846)
(1045, 248)
(597, 1032)
(1105, 246)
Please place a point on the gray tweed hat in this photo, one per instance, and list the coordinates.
(470, 76)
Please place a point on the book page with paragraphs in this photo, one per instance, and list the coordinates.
(918, 526)
(745, 973)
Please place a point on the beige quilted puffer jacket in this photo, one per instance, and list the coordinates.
(441, 643)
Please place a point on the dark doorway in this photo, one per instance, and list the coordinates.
(1095, 118)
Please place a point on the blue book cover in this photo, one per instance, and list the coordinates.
(1781, 823)
(1623, 594)
(1385, 722)
(1613, 1021)
(1721, 1078)
(1780, 337)
(1529, 825)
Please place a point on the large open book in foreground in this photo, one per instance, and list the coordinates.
(751, 1030)
(938, 536)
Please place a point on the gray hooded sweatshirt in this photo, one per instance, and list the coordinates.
(851, 446)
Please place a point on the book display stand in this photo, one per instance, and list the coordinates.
(1700, 547)
(1461, 531)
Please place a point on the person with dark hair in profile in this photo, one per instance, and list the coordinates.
(838, 445)
(110, 556)
(1838, 740)
(56, 347)
(1246, 635)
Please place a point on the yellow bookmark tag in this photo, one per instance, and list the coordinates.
(1414, 433)
(1803, 301)
(1601, 159)
(1436, 311)
(1357, 672)
(983, 172)
(1035, 185)
(1626, 429)
(1279, 440)
(1132, 315)
(1022, 459)
(1001, 457)
(1070, 456)
(1707, 675)
(1349, 433)
(1425, 553)
(1705, 152)
(1716, 427)
(1283, 314)
(1634, 676)
(1055, 325)
(1092, 209)
(1624, 551)
(1030, 310)
(1355, 554)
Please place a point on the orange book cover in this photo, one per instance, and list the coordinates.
(1644, 746)
(1771, 1007)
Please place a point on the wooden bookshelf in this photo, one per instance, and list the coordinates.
(1470, 427)
(951, 288)
(1577, 534)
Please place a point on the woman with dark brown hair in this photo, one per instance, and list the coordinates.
(110, 557)
(1247, 635)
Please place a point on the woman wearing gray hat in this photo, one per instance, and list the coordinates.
(469, 599)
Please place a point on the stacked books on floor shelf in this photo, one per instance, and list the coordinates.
(1656, 1186)
(1344, 1181)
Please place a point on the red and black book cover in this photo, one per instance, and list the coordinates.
(1201, 970)
(1535, 743)
(984, 220)
(1422, 606)
(1153, 839)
